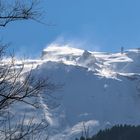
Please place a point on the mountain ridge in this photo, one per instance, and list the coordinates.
(100, 89)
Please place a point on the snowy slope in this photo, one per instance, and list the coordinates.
(100, 89)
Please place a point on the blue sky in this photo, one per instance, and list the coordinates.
(103, 25)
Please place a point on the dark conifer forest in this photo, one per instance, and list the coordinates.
(118, 132)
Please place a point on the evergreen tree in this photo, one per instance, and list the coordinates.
(118, 132)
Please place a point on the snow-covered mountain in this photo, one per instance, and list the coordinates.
(99, 89)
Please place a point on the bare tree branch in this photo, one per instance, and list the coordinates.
(18, 10)
(22, 130)
(15, 85)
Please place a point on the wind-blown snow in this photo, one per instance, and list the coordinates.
(100, 89)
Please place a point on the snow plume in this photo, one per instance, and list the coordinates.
(69, 53)
(74, 43)
(46, 110)
(60, 51)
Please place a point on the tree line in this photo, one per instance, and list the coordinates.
(117, 132)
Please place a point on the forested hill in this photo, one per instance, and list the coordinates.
(118, 132)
